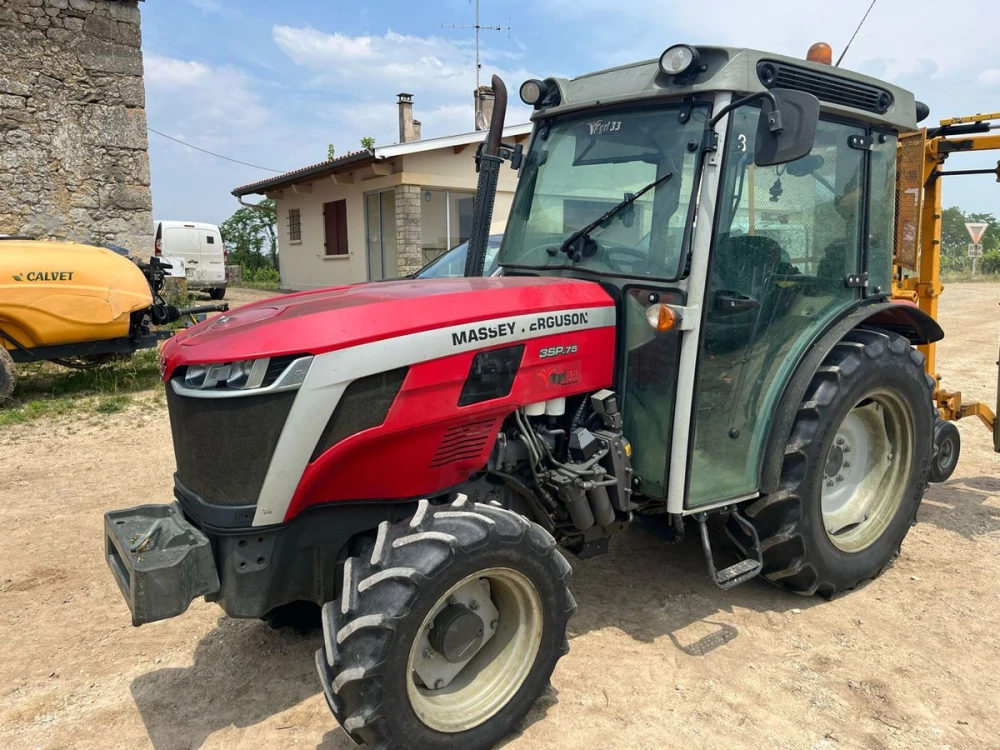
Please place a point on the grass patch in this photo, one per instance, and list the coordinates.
(958, 277)
(48, 390)
(263, 286)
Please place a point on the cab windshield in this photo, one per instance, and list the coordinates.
(580, 167)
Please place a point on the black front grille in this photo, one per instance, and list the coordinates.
(826, 87)
(365, 404)
(224, 446)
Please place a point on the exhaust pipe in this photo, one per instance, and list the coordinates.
(488, 162)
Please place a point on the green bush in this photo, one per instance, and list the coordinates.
(264, 276)
(990, 262)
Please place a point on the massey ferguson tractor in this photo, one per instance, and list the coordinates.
(693, 327)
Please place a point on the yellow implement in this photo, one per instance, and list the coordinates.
(917, 271)
(55, 293)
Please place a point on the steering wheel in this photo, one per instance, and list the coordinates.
(634, 261)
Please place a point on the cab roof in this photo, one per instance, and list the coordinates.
(744, 71)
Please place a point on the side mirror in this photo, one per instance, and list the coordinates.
(788, 132)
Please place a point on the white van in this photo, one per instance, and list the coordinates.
(200, 248)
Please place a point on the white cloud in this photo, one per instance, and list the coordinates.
(900, 36)
(214, 7)
(215, 100)
(990, 77)
(372, 69)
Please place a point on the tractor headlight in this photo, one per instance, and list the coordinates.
(678, 59)
(243, 377)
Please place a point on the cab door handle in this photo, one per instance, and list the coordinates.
(734, 302)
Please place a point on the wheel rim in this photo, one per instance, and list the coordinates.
(946, 454)
(492, 677)
(866, 472)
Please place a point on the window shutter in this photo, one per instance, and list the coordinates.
(335, 223)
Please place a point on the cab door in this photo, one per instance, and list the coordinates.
(786, 241)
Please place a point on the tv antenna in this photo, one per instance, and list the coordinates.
(478, 27)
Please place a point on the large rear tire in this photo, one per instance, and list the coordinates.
(8, 375)
(491, 583)
(855, 468)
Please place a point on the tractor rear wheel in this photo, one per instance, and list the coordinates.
(448, 631)
(8, 375)
(855, 468)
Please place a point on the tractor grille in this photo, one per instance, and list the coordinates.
(224, 446)
(826, 87)
(465, 442)
(365, 404)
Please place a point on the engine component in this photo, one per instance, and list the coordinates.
(583, 446)
(600, 505)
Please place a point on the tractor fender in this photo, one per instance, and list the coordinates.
(903, 318)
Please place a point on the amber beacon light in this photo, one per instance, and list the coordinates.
(821, 52)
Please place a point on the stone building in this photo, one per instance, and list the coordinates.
(73, 147)
(383, 212)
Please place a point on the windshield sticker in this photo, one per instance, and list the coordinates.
(600, 127)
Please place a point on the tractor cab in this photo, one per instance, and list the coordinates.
(735, 203)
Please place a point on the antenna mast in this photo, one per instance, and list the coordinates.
(863, 19)
(478, 27)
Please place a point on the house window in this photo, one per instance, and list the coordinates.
(380, 219)
(445, 220)
(335, 227)
(294, 225)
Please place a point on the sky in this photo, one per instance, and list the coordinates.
(273, 83)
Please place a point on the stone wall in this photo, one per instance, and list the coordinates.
(409, 256)
(73, 160)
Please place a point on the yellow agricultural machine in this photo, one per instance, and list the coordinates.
(77, 305)
(917, 278)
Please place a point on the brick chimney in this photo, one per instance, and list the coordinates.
(407, 131)
(484, 107)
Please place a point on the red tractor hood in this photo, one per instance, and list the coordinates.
(329, 319)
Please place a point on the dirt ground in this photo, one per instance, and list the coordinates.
(659, 658)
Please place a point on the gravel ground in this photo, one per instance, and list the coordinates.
(659, 658)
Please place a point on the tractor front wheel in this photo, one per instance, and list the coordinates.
(448, 631)
(8, 375)
(855, 468)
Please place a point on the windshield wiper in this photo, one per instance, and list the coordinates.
(609, 214)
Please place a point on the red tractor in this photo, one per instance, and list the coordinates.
(693, 320)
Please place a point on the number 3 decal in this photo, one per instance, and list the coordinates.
(741, 140)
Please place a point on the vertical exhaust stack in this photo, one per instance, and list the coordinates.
(488, 162)
(407, 128)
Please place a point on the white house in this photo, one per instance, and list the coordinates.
(383, 212)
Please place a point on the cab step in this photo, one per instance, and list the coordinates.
(742, 571)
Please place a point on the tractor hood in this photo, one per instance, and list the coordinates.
(316, 322)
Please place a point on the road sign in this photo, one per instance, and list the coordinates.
(975, 250)
(976, 230)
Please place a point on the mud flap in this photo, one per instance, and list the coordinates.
(160, 561)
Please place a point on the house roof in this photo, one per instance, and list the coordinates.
(355, 159)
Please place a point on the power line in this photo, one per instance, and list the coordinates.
(212, 153)
(863, 19)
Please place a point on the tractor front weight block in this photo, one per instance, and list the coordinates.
(161, 562)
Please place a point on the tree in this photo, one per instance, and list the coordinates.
(368, 143)
(330, 151)
(251, 236)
